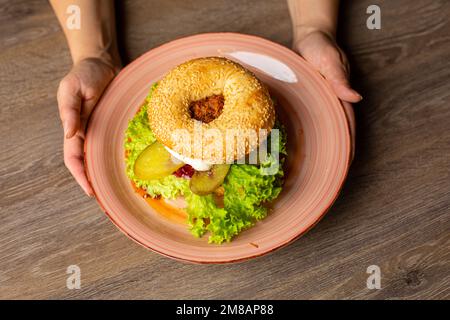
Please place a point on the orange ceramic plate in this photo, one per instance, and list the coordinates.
(318, 145)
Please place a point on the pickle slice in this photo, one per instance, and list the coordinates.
(155, 162)
(205, 182)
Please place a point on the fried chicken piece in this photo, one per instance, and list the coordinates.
(207, 109)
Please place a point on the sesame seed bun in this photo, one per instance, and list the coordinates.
(247, 109)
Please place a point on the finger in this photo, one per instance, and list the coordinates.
(69, 104)
(73, 159)
(350, 115)
(344, 92)
(336, 74)
(88, 105)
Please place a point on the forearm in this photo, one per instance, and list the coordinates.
(96, 37)
(313, 15)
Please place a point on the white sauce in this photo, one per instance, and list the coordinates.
(197, 164)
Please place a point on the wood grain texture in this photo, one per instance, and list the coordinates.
(394, 210)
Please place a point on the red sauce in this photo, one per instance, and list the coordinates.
(185, 171)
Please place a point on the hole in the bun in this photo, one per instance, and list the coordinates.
(207, 109)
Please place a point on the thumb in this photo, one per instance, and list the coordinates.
(69, 104)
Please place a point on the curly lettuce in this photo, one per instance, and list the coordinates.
(247, 189)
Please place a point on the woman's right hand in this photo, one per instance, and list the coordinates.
(78, 93)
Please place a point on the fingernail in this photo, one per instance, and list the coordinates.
(356, 93)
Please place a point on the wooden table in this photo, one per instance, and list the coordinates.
(393, 211)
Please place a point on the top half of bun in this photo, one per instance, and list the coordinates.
(247, 103)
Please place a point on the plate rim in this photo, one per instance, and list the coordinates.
(251, 256)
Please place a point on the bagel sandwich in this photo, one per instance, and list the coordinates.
(197, 140)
